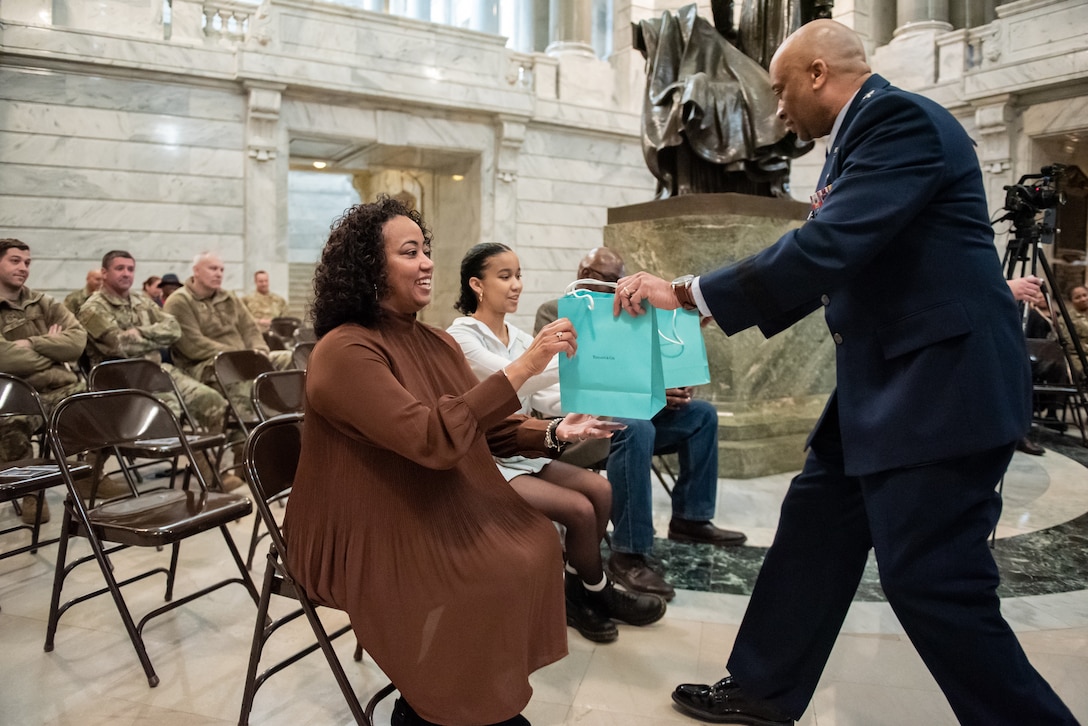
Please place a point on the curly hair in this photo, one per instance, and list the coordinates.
(351, 278)
(472, 265)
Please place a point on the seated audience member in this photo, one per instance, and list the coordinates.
(263, 304)
(169, 284)
(1078, 315)
(580, 500)
(213, 320)
(75, 299)
(125, 324)
(398, 514)
(687, 427)
(41, 341)
(153, 290)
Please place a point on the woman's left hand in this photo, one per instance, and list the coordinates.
(581, 426)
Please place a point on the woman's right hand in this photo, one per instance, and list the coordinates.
(555, 337)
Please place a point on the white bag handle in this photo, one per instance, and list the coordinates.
(572, 289)
(678, 341)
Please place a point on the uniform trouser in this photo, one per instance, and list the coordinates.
(928, 526)
(205, 404)
(15, 431)
(240, 394)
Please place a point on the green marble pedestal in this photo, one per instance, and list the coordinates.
(768, 393)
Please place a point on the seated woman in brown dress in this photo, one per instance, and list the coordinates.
(578, 499)
(399, 515)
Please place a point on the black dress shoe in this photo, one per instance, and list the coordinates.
(635, 574)
(1029, 447)
(633, 608)
(683, 530)
(724, 702)
(584, 616)
(405, 715)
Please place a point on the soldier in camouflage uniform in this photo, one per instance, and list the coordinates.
(121, 323)
(75, 299)
(40, 342)
(214, 320)
(264, 305)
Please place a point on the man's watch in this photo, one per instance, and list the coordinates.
(681, 288)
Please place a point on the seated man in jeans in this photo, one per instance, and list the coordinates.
(687, 427)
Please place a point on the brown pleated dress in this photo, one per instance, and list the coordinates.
(400, 517)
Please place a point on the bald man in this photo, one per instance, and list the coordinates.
(933, 392)
(75, 299)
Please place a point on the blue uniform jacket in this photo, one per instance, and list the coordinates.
(931, 361)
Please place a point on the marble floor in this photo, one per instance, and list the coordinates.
(874, 677)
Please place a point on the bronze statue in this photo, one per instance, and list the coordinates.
(709, 117)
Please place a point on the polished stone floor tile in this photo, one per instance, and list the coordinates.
(873, 678)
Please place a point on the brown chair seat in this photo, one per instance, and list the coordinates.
(160, 517)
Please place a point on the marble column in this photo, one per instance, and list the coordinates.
(266, 187)
(768, 392)
(916, 15)
(485, 16)
(571, 28)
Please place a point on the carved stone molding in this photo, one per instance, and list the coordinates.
(263, 120)
(511, 135)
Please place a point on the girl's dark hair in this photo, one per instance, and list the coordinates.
(350, 280)
(472, 265)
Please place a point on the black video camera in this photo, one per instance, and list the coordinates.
(1029, 199)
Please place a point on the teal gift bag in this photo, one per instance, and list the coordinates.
(617, 369)
(683, 350)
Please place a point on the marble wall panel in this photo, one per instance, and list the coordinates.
(155, 252)
(601, 172)
(120, 125)
(551, 235)
(207, 61)
(62, 151)
(110, 215)
(77, 183)
(66, 89)
(388, 42)
(564, 215)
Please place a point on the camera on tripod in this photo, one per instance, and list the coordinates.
(1024, 200)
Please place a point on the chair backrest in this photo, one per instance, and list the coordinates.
(18, 398)
(306, 334)
(236, 366)
(285, 326)
(271, 457)
(279, 392)
(300, 356)
(101, 419)
(138, 373)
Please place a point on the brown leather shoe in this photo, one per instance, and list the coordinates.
(683, 530)
(634, 573)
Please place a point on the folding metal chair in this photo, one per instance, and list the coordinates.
(145, 375)
(235, 370)
(30, 476)
(271, 457)
(120, 420)
(279, 392)
(275, 393)
(300, 356)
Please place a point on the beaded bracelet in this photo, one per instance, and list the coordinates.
(549, 437)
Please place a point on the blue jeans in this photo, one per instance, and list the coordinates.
(690, 432)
